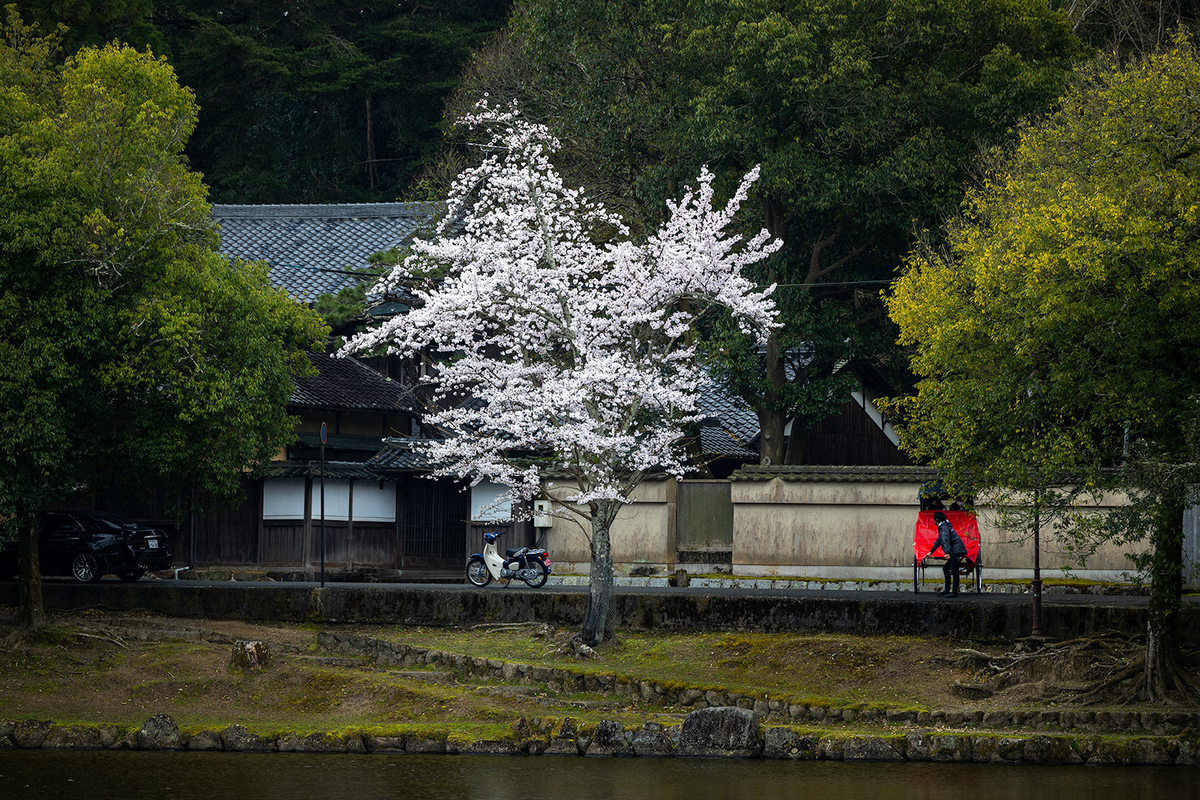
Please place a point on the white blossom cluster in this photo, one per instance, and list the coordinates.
(570, 339)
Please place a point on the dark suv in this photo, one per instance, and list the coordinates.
(88, 544)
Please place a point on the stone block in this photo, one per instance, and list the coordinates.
(205, 740)
(610, 740)
(489, 747)
(1188, 749)
(722, 732)
(872, 748)
(950, 747)
(562, 746)
(652, 744)
(786, 744)
(1052, 750)
(72, 737)
(998, 749)
(238, 739)
(1153, 752)
(997, 719)
(159, 733)
(30, 733)
(321, 743)
(832, 747)
(383, 743)
(1105, 751)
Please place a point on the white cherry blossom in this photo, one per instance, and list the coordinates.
(567, 344)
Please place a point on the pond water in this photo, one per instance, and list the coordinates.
(42, 774)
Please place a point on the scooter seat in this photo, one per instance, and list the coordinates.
(512, 551)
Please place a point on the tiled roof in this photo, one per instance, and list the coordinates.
(347, 383)
(716, 440)
(398, 455)
(732, 417)
(839, 474)
(333, 469)
(309, 247)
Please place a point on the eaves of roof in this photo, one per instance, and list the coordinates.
(337, 470)
(362, 444)
(717, 441)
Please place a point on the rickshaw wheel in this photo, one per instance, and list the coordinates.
(916, 579)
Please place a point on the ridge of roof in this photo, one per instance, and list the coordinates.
(325, 210)
(820, 473)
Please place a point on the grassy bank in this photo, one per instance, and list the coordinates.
(94, 669)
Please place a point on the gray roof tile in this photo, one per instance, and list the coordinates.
(347, 383)
(309, 247)
(737, 420)
(811, 474)
(398, 455)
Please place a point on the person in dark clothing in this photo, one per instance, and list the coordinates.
(953, 548)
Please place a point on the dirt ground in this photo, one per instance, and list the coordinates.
(93, 668)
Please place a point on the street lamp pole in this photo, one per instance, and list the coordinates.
(1037, 564)
(324, 437)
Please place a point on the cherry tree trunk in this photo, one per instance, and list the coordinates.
(597, 624)
(31, 613)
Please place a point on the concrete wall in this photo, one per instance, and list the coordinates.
(864, 529)
(834, 528)
(661, 610)
(643, 537)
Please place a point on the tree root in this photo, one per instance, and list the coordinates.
(1098, 668)
(14, 640)
(505, 626)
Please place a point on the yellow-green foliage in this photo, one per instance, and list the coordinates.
(1057, 329)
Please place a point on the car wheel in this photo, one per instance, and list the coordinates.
(86, 568)
(130, 577)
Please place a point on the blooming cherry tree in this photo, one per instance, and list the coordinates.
(567, 343)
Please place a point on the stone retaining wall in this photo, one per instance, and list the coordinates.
(716, 732)
(773, 708)
(908, 615)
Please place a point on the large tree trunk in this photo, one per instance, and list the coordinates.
(597, 624)
(1166, 587)
(31, 613)
(771, 417)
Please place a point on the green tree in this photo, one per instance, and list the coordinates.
(1059, 331)
(93, 23)
(1130, 27)
(128, 348)
(319, 102)
(864, 117)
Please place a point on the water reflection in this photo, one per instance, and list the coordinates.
(42, 775)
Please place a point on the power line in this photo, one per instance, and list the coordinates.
(830, 283)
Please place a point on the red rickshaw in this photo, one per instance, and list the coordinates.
(925, 535)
